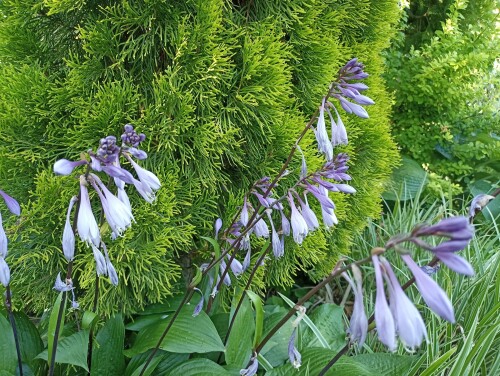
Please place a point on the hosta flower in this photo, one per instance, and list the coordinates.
(277, 244)
(324, 143)
(384, 321)
(479, 203)
(244, 212)
(86, 223)
(299, 225)
(68, 239)
(358, 326)
(11, 203)
(4, 272)
(236, 266)
(217, 227)
(66, 167)
(308, 214)
(251, 370)
(198, 308)
(409, 324)
(113, 276)
(294, 354)
(150, 182)
(433, 295)
(118, 215)
(100, 261)
(61, 286)
(3, 240)
(260, 229)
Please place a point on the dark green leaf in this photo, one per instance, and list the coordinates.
(328, 320)
(197, 367)
(239, 344)
(29, 341)
(107, 354)
(72, 350)
(51, 331)
(8, 356)
(188, 334)
(410, 177)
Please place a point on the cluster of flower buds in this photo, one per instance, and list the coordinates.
(117, 209)
(400, 317)
(342, 90)
(15, 209)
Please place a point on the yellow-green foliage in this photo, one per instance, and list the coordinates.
(221, 89)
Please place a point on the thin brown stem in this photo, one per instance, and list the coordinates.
(334, 360)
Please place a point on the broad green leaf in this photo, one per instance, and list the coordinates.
(141, 322)
(170, 305)
(309, 323)
(29, 341)
(8, 356)
(327, 320)
(197, 367)
(239, 344)
(315, 359)
(72, 350)
(259, 316)
(89, 319)
(162, 363)
(188, 334)
(410, 177)
(51, 331)
(107, 354)
(276, 350)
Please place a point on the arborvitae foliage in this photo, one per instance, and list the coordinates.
(442, 72)
(221, 89)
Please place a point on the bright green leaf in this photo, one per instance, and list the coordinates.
(72, 350)
(107, 354)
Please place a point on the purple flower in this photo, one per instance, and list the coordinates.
(285, 224)
(68, 239)
(324, 143)
(455, 263)
(100, 261)
(11, 203)
(235, 266)
(244, 213)
(86, 223)
(293, 354)
(433, 295)
(223, 268)
(478, 203)
(384, 321)
(252, 368)
(61, 286)
(308, 214)
(113, 276)
(247, 259)
(321, 195)
(3, 240)
(358, 326)
(199, 306)
(260, 229)
(66, 167)
(217, 227)
(446, 227)
(4, 272)
(409, 324)
(277, 244)
(118, 216)
(299, 225)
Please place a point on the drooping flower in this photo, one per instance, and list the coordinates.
(4, 272)
(199, 306)
(251, 370)
(66, 167)
(277, 244)
(260, 229)
(61, 286)
(294, 354)
(118, 215)
(478, 203)
(308, 214)
(11, 203)
(113, 276)
(100, 261)
(409, 324)
(358, 326)
(384, 321)
(3, 240)
(299, 225)
(244, 212)
(88, 230)
(235, 266)
(324, 143)
(68, 239)
(431, 292)
(149, 181)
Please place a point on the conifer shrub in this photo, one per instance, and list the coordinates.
(221, 89)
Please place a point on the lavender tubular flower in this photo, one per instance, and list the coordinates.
(384, 321)
(3, 240)
(324, 143)
(113, 276)
(409, 324)
(244, 212)
(293, 354)
(308, 215)
(252, 368)
(86, 223)
(235, 266)
(478, 203)
(66, 167)
(146, 177)
(61, 286)
(260, 229)
(358, 327)
(198, 308)
(4, 272)
(11, 203)
(100, 261)
(68, 239)
(446, 227)
(277, 244)
(455, 263)
(433, 295)
(299, 225)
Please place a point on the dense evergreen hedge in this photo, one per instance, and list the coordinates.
(220, 88)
